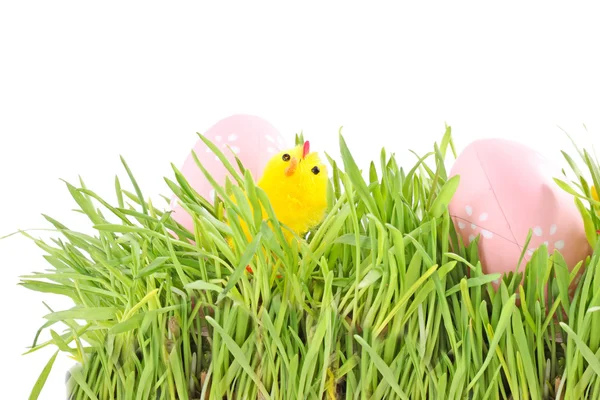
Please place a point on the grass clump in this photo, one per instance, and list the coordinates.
(383, 300)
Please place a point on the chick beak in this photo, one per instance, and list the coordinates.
(289, 171)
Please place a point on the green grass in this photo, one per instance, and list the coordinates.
(381, 301)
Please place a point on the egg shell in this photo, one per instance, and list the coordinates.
(507, 189)
(251, 138)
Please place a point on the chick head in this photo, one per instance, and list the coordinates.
(295, 180)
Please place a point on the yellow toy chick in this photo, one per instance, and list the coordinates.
(295, 182)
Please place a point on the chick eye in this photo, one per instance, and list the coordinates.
(315, 170)
(286, 157)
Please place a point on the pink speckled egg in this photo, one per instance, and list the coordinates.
(507, 189)
(252, 139)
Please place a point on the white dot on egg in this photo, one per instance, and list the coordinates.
(530, 252)
(270, 149)
(471, 238)
(232, 138)
(496, 281)
(560, 244)
(208, 150)
(473, 226)
(235, 149)
(538, 231)
(462, 225)
(469, 210)
(218, 138)
(546, 243)
(483, 217)
(270, 138)
(553, 229)
(487, 234)
(217, 158)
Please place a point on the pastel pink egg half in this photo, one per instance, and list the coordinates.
(507, 189)
(252, 139)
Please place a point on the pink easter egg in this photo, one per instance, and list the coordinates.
(507, 189)
(252, 139)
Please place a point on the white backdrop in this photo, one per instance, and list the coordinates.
(82, 83)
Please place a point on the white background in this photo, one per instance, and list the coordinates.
(82, 83)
